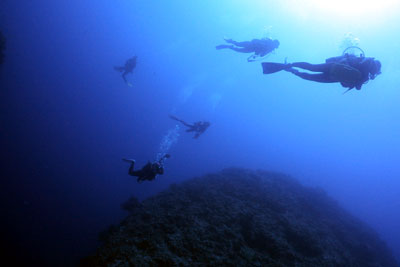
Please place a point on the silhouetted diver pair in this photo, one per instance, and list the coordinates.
(349, 70)
(152, 169)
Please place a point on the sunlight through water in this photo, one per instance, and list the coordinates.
(354, 8)
(363, 11)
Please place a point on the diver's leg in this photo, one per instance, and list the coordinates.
(123, 76)
(320, 77)
(132, 162)
(131, 171)
(186, 124)
(312, 67)
(181, 121)
(241, 49)
(240, 44)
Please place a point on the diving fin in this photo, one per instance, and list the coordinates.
(129, 160)
(218, 47)
(272, 67)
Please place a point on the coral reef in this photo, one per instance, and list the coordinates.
(240, 218)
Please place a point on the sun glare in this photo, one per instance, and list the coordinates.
(362, 11)
(354, 8)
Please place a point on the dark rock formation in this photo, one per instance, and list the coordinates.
(2, 47)
(240, 218)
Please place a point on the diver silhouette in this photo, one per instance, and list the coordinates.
(198, 127)
(129, 66)
(148, 171)
(260, 47)
(349, 70)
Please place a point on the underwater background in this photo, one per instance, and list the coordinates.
(67, 118)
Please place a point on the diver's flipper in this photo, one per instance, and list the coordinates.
(181, 121)
(272, 67)
(129, 160)
(218, 47)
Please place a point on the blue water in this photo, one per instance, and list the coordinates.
(67, 118)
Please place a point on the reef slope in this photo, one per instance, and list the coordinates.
(240, 217)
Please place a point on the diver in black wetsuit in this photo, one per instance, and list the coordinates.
(2, 47)
(349, 70)
(260, 47)
(148, 171)
(198, 127)
(130, 65)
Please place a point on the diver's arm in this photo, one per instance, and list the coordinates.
(157, 168)
(160, 162)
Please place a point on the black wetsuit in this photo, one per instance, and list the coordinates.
(362, 64)
(148, 172)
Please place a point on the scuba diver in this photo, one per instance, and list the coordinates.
(130, 65)
(349, 70)
(198, 127)
(2, 47)
(260, 47)
(148, 171)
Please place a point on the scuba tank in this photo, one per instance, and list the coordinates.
(345, 55)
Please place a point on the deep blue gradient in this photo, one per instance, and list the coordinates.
(67, 118)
